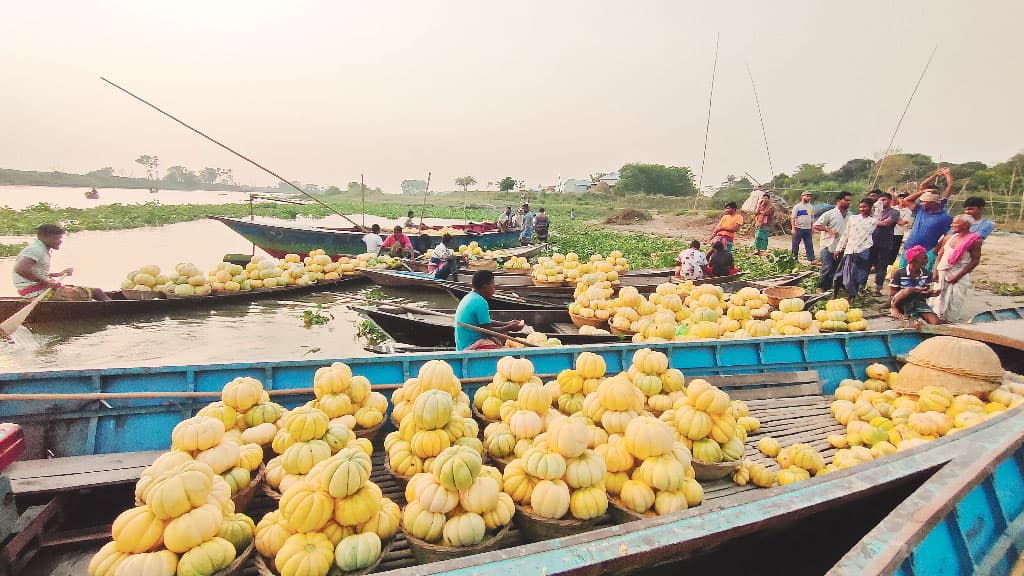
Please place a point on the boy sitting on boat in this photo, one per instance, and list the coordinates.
(32, 274)
(911, 287)
(443, 261)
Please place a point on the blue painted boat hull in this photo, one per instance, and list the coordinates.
(281, 240)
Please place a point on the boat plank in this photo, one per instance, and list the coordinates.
(69, 465)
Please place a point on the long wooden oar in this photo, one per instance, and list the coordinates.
(8, 327)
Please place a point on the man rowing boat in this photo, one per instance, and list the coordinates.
(474, 310)
(32, 274)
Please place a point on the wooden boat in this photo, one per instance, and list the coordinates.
(999, 314)
(420, 265)
(430, 330)
(119, 306)
(955, 502)
(280, 240)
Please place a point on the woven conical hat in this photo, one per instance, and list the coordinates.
(962, 366)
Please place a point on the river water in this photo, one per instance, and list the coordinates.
(20, 197)
(268, 330)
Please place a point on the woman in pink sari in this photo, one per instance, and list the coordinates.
(959, 255)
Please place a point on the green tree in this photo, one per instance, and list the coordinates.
(734, 189)
(208, 175)
(332, 190)
(181, 175)
(656, 179)
(507, 184)
(414, 186)
(810, 174)
(152, 164)
(465, 182)
(856, 169)
(105, 172)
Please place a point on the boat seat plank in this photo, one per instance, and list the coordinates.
(74, 472)
(769, 386)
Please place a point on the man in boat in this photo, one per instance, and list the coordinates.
(398, 244)
(409, 222)
(541, 224)
(691, 262)
(474, 310)
(526, 236)
(720, 261)
(931, 221)
(958, 255)
(831, 224)
(764, 216)
(444, 262)
(728, 226)
(373, 240)
(32, 274)
(505, 219)
(911, 287)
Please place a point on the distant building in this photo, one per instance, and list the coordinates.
(576, 186)
(611, 179)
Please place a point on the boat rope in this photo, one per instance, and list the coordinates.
(236, 153)
(764, 132)
(888, 149)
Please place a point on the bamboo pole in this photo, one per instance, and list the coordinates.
(93, 396)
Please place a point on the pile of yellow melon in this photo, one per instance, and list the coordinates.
(509, 378)
(346, 399)
(575, 383)
(592, 297)
(471, 249)
(710, 423)
(648, 470)
(457, 502)
(547, 270)
(303, 439)
(334, 516)
(187, 280)
(516, 263)
(661, 385)
(839, 317)
(185, 520)
(432, 413)
(227, 277)
(535, 338)
(375, 262)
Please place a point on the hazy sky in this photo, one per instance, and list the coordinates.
(537, 90)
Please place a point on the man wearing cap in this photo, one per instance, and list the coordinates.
(931, 221)
(911, 287)
(802, 222)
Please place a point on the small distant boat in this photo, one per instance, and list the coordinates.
(154, 190)
(92, 194)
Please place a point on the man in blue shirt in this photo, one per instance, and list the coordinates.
(931, 221)
(474, 310)
(975, 208)
(526, 236)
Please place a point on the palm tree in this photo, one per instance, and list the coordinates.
(465, 182)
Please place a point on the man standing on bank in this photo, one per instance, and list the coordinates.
(802, 223)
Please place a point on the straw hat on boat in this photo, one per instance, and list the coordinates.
(959, 365)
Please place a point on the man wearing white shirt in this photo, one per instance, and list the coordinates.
(373, 240)
(831, 224)
(855, 248)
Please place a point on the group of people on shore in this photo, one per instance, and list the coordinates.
(527, 222)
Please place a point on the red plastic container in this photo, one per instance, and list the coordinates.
(12, 444)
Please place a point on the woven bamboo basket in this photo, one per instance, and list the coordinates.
(619, 332)
(714, 471)
(621, 515)
(239, 562)
(426, 552)
(370, 433)
(142, 294)
(548, 284)
(959, 365)
(270, 492)
(537, 528)
(243, 497)
(579, 321)
(483, 264)
(776, 294)
(265, 567)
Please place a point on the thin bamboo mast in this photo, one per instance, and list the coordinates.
(707, 126)
(888, 149)
(764, 131)
(235, 152)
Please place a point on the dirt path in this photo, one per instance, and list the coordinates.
(1002, 258)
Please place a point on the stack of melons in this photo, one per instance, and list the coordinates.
(662, 386)
(575, 383)
(705, 421)
(305, 438)
(227, 277)
(347, 398)
(185, 521)
(648, 470)
(535, 338)
(591, 298)
(375, 262)
(511, 374)
(570, 266)
(437, 418)
(471, 249)
(754, 301)
(615, 402)
(345, 267)
(457, 502)
(145, 279)
(546, 270)
(839, 317)
(334, 516)
(516, 263)
(189, 281)
(588, 330)
(559, 476)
